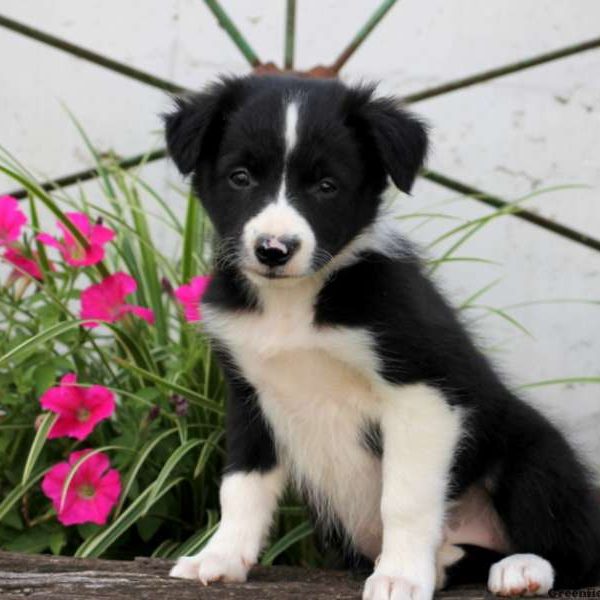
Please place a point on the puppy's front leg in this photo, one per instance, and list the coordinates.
(248, 501)
(249, 492)
(420, 433)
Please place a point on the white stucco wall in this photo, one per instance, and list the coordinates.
(525, 132)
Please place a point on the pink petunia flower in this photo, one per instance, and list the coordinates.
(97, 236)
(24, 266)
(189, 296)
(11, 220)
(92, 493)
(105, 301)
(79, 409)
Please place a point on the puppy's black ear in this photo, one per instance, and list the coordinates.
(196, 121)
(399, 137)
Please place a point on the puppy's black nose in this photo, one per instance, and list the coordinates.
(275, 251)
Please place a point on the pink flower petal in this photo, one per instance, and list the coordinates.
(69, 379)
(59, 399)
(73, 251)
(79, 409)
(147, 314)
(11, 220)
(90, 469)
(53, 481)
(105, 301)
(101, 235)
(70, 427)
(123, 284)
(48, 240)
(94, 489)
(190, 295)
(23, 266)
(91, 255)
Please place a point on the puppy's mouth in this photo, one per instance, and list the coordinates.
(272, 273)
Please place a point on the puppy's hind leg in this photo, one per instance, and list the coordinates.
(544, 498)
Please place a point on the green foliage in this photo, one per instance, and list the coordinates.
(169, 460)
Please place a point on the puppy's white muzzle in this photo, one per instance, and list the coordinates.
(278, 242)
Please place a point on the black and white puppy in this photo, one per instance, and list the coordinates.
(348, 373)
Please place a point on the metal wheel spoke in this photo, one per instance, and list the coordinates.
(93, 57)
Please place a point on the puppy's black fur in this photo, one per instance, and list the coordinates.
(539, 487)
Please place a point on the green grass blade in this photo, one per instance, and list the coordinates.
(17, 493)
(479, 293)
(37, 445)
(102, 171)
(190, 239)
(168, 467)
(561, 381)
(191, 395)
(148, 271)
(211, 444)
(503, 315)
(38, 340)
(289, 539)
(194, 544)
(137, 465)
(40, 248)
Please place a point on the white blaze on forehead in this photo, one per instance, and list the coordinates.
(279, 217)
(291, 126)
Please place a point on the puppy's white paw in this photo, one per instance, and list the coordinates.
(389, 587)
(521, 575)
(212, 566)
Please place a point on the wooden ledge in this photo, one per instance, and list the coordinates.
(40, 576)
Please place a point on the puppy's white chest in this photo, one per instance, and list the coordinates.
(317, 388)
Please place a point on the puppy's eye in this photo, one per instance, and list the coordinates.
(327, 187)
(240, 178)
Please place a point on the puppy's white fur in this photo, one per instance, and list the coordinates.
(420, 432)
(248, 501)
(521, 575)
(279, 218)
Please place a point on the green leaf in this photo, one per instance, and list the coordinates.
(208, 448)
(31, 541)
(300, 532)
(169, 465)
(561, 381)
(147, 526)
(480, 292)
(57, 541)
(196, 542)
(137, 465)
(190, 239)
(102, 171)
(38, 443)
(149, 269)
(17, 493)
(38, 340)
(503, 315)
(191, 395)
(43, 377)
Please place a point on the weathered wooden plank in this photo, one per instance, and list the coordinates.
(36, 577)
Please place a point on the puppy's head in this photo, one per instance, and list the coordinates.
(291, 170)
